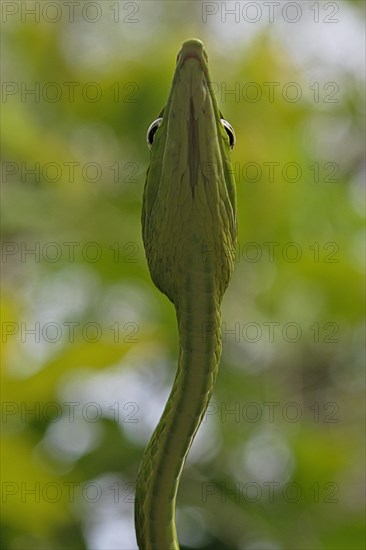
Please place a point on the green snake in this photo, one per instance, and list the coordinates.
(189, 233)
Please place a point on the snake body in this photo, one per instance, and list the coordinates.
(189, 234)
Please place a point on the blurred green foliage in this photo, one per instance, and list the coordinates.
(278, 463)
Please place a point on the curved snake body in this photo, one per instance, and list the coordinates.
(189, 234)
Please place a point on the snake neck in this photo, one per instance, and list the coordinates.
(199, 320)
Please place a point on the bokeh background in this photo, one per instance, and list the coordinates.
(90, 345)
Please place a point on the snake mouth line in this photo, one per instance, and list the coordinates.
(191, 56)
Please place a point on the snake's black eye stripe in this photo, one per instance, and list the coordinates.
(151, 131)
(230, 132)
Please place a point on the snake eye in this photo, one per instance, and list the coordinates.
(230, 132)
(151, 131)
